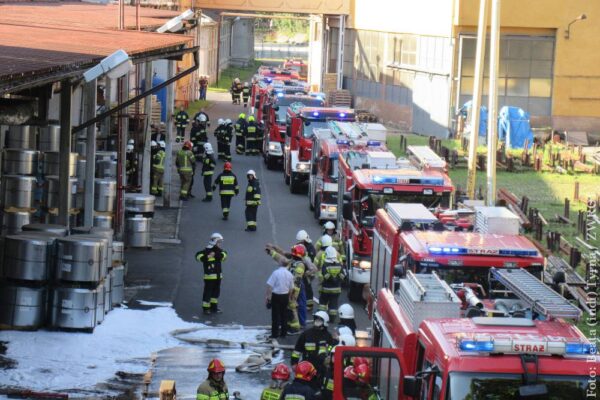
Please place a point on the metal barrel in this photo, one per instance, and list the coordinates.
(79, 259)
(51, 192)
(12, 222)
(118, 284)
(17, 191)
(52, 162)
(139, 203)
(20, 162)
(103, 221)
(105, 236)
(22, 307)
(49, 138)
(74, 308)
(28, 257)
(80, 173)
(55, 229)
(137, 232)
(105, 192)
(106, 168)
(21, 137)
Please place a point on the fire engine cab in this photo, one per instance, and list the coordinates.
(276, 112)
(301, 121)
(422, 349)
(297, 65)
(361, 192)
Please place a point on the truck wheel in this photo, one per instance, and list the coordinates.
(294, 184)
(355, 292)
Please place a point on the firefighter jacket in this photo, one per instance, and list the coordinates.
(212, 258)
(246, 92)
(198, 134)
(228, 184)
(271, 393)
(240, 127)
(131, 162)
(252, 130)
(211, 390)
(182, 119)
(320, 258)
(158, 161)
(185, 161)
(310, 249)
(297, 268)
(253, 193)
(208, 165)
(331, 277)
(327, 385)
(337, 243)
(298, 390)
(230, 131)
(236, 87)
(222, 135)
(313, 345)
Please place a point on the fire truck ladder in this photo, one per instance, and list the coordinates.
(541, 298)
(425, 157)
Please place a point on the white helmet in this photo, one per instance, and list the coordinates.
(237, 80)
(329, 225)
(202, 118)
(302, 236)
(326, 241)
(162, 144)
(227, 121)
(214, 239)
(347, 340)
(323, 315)
(251, 172)
(331, 254)
(346, 311)
(221, 121)
(208, 148)
(153, 143)
(129, 148)
(131, 142)
(344, 330)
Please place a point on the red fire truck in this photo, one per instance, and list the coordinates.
(330, 144)
(422, 349)
(300, 122)
(361, 192)
(275, 125)
(297, 65)
(457, 257)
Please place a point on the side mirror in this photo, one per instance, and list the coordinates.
(412, 386)
(347, 210)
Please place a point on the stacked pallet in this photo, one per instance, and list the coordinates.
(329, 82)
(339, 98)
(156, 110)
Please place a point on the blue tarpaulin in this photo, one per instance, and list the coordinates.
(514, 121)
(161, 96)
(483, 116)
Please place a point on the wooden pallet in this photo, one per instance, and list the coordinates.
(339, 98)
(156, 110)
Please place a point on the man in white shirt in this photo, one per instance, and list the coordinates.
(280, 286)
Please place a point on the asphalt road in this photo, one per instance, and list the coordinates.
(172, 274)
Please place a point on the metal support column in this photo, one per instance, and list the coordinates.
(90, 154)
(146, 162)
(168, 176)
(340, 55)
(492, 127)
(105, 127)
(64, 191)
(476, 104)
(121, 158)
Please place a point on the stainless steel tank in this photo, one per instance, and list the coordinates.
(20, 162)
(12, 222)
(53, 219)
(118, 284)
(139, 203)
(55, 229)
(17, 191)
(106, 155)
(80, 259)
(105, 192)
(22, 307)
(49, 138)
(137, 232)
(74, 308)
(108, 234)
(28, 257)
(106, 168)
(103, 221)
(21, 137)
(118, 255)
(51, 192)
(106, 260)
(52, 163)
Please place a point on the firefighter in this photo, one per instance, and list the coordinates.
(240, 134)
(208, 170)
(221, 135)
(329, 229)
(212, 258)
(185, 163)
(131, 164)
(203, 118)
(246, 93)
(301, 387)
(228, 139)
(327, 384)
(228, 187)
(182, 120)
(324, 242)
(199, 134)
(252, 200)
(314, 343)
(303, 239)
(331, 277)
(158, 169)
(214, 387)
(357, 380)
(251, 137)
(346, 314)
(236, 91)
(279, 378)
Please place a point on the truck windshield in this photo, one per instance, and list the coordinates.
(480, 386)
(459, 274)
(307, 131)
(371, 202)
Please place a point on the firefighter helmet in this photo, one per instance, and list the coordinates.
(220, 121)
(331, 254)
(237, 80)
(350, 374)
(208, 148)
(298, 250)
(216, 236)
(363, 372)
(153, 143)
(227, 121)
(281, 372)
(326, 241)
(323, 315)
(329, 225)
(129, 148)
(251, 172)
(188, 145)
(131, 142)
(246, 84)
(251, 118)
(356, 361)
(347, 340)
(346, 311)
(242, 116)
(227, 166)
(305, 371)
(216, 366)
(302, 236)
(202, 117)
(162, 144)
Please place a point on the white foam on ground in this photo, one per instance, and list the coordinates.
(154, 303)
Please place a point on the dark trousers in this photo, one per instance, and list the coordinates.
(181, 131)
(210, 296)
(221, 150)
(251, 217)
(225, 203)
(208, 186)
(328, 302)
(279, 305)
(240, 144)
(309, 292)
(227, 151)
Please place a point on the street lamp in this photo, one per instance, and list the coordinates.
(114, 66)
(568, 31)
(175, 24)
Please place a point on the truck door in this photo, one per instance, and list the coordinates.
(386, 369)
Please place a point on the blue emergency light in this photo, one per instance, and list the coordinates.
(315, 113)
(268, 79)
(474, 345)
(580, 348)
(483, 252)
(432, 181)
(373, 143)
(382, 180)
(343, 141)
(342, 115)
(279, 94)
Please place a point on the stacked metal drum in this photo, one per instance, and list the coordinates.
(49, 146)
(105, 188)
(139, 211)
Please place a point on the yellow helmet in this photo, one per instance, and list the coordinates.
(251, 118)
(242, 115)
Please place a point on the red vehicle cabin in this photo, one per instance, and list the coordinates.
(297, 65)
(301, 121)
(276, 124)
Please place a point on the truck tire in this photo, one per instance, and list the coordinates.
(355, 292)
(294, 184)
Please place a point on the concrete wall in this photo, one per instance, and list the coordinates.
(242, 42)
